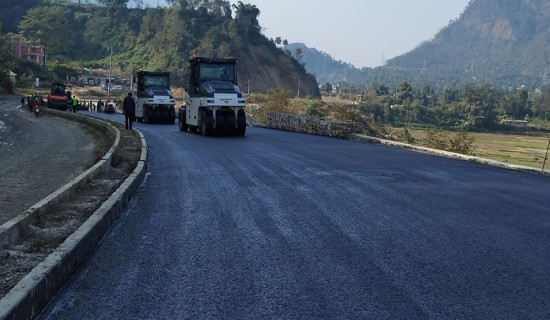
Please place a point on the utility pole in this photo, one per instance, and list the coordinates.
(110, 74)
(132, 79)
(44, 52)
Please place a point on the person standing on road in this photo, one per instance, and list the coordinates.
(129, 108)
(69, 100)
(22, 102)
(75, 103)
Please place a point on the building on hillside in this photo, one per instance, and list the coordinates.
(91, 79)
(515, 123)
(23, 49)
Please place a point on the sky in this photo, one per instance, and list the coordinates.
(361, 32)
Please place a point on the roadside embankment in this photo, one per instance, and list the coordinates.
(41, 248)
(312, 125)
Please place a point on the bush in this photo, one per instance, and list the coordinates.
(278, 100)
(461, 142)
(315, 109)
(344, 113)
(436, 138)
(259, 105)
(407, 136)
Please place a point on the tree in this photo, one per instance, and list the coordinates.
(113, 3)
(246, 18)
(285, 42)
(517, 105)
(5, 61)
(278, 41)
(382, 90)
(298, 54)
(482, 102)
(46, 25)
(541, 107)
(404, 92)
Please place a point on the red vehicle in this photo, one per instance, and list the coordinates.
(58, 97)
(37, 105)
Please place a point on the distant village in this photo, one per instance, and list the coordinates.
(23, 49)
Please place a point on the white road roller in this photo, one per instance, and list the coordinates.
(214, 102)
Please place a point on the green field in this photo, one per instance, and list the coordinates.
(517, 149)
(527, 150)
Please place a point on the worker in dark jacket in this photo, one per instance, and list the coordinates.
(129, 107)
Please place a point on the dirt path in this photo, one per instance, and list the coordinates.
(38, 155)
(68, 149)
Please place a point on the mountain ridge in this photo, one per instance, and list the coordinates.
(504, 43)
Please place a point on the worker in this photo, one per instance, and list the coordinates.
(75, 103)
(129, 107)
(69, 100)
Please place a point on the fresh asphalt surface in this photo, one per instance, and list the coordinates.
(280, 225)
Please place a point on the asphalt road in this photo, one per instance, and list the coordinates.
(279, 225)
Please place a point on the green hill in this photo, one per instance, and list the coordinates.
(503, 42)
(162, 39)
(325, 67)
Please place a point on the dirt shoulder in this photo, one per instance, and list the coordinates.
(39, 155)
(53, 227)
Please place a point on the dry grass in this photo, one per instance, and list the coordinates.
(526, 150)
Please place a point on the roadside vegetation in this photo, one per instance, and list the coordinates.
(471, 120)
(159, 38)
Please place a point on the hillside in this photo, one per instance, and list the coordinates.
(158, 39)
(325, 67)
(502, 42)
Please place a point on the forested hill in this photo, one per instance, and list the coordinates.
(157, 38)
(503, 42)
(324, 66)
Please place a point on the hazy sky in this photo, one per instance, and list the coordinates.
(360, 32)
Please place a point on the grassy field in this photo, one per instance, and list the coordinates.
(527, 150)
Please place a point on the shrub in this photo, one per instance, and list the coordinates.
(315, 109)
(278, 100)
(345, 113)
(407, 136)
(461, 142)
(436, 138)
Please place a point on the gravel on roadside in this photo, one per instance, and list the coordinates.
(55, 226)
